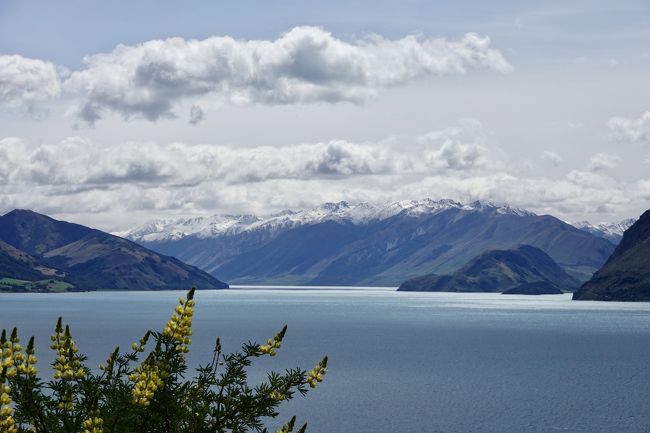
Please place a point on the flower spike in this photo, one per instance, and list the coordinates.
(273, 344)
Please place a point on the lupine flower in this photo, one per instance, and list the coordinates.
(179, 327)
(28, 361)
(150, 383)
(274, 343)
(10, 354)
(7, 422)
(139, 346)
(66, 402)
(277, 396)
(94, 424)
(110, 362)
(316, 374)
(147, 379)
(67, 365)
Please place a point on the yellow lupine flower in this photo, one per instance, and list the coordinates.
(147, 379)
(30, 365)
(7, 423)
(94, 424)
(139, 346)
(316, 374)
(275, 343)
(67, 365)
(6, 352)
(12, 360)
(277, 396)
(179, 326)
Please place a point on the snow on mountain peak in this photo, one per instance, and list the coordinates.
(361, 213)
(612, 231)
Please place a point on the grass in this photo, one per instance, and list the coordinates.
(50, 285)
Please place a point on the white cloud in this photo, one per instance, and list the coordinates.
(129, 182)
(603, 161)
(24, 81)
(79, 164)
(304, 65)
(631, 130)
(457, 148)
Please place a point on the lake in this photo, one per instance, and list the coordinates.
(400, 362)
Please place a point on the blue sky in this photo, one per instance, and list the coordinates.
(540, 31)
(544, 108)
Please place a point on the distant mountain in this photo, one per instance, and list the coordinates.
(613, 232)
(366, 244)
(35, 246)
(357, 214)
(497, 271)
(626, 275)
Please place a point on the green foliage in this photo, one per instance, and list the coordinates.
(50, 285)
(146, 389)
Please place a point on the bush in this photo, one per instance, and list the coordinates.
(134, 392)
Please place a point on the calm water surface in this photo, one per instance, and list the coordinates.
(402, 362)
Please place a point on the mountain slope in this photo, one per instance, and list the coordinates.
(20, 265)
(497, 271)
(343, 244)
(35, 233)
(626, 275)
(91, 259)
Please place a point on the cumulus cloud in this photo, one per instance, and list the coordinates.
(25, 82)
(457, 148)
(631, 130)
(304, 65)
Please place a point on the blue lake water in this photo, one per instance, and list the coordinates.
(401, 362)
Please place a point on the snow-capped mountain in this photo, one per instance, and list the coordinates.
(365, 243)
(613, 232)
(203, 227)
(358, 214)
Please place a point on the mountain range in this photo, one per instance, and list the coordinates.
(626, 275)
(613, 232)
(499, 271)
(366, 244)
(36, 248)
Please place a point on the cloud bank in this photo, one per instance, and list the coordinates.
(304, 65)
(80, 163)
(127, 183)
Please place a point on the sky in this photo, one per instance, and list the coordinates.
(116, 113)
